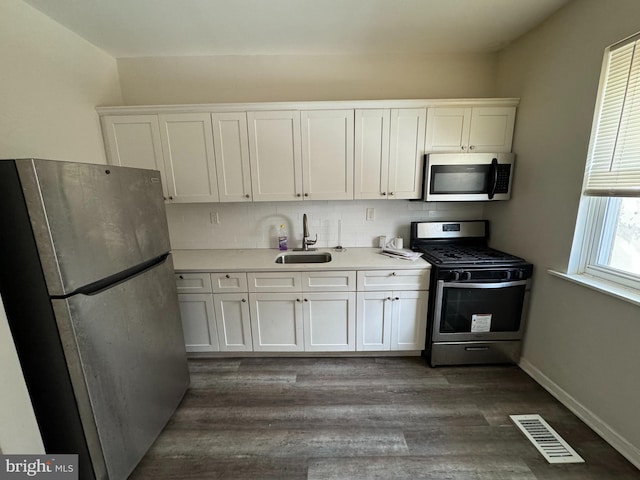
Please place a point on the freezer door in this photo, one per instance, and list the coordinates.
(126, 357)
(92, 221)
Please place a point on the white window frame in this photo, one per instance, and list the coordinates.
(595, 229)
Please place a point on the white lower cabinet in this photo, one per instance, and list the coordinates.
(276, 322)
(408, 320)
(316, 314)
(374, 321)
(392, 309)
(392, 320)
(304, 311)
(198, 322)
(233, 322)
(329, 322)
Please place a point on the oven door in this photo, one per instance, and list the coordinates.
(479, 311)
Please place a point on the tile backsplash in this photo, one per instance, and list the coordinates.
(255, 225)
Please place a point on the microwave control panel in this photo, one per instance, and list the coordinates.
(504, 172)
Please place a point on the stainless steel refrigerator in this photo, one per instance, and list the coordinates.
(88, 287)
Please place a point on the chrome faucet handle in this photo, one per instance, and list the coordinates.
(312, 242)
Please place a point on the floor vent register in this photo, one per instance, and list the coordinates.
(546, 439)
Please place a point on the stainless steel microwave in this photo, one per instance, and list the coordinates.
(467, 177)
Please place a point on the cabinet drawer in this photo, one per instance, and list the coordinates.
(275, 282)
(376, 280)
(328, 281)
(193, 282)
(229, 282)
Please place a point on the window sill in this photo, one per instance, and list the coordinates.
(626, 294)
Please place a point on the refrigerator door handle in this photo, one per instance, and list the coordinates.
(106, 283)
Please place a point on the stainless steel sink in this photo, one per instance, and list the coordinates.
(317, 257)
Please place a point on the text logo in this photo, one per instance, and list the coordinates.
(50, 467)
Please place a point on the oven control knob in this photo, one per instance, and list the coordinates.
(520, 274)
(466, 275)
(455, 275)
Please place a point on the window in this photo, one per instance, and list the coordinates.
(607, 241)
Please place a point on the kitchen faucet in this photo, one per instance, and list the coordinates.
(305, 237)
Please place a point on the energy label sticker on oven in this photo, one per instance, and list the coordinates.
(481, 322)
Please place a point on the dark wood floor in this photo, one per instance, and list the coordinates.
(366, 418)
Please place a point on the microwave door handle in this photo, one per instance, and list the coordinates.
(494, 178)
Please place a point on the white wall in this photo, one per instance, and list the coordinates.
(261, 78)
(580, 343)
(253, 225)
(50, 83)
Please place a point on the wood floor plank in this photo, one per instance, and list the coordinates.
(320, 416)
(468, 467)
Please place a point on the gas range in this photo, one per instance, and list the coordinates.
(459, 251)
(478, 295)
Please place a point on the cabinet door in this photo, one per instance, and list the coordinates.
(406, 152)
(409, 325)
(187, 145)
(492, 129)
(371, 163)
(327, 154)
(275, 155)
(231, 145)
(373, 324)
(232, 320)
(329, 322)
(276, 322)
(448, 129)
(198, 322)
(134, 141)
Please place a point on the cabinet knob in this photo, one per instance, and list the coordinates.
(181, 277)
(244, 300)
(393, 274)
(390, 193)
(170, 198)
(383, 193)
(471, 147)
(397, 298)
(248, 196)
(306, 299)
(227, 276)
(306, 194)
(297, 299)
(298, 195)
(388, 298)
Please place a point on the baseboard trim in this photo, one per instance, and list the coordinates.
(625, 448)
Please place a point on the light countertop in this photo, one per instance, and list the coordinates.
(228, 260)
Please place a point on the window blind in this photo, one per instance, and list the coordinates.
(613, 166)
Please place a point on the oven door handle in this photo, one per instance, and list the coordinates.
(484, 285)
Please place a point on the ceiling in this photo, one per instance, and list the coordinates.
(140, 28)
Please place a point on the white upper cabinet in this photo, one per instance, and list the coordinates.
(406, 151)
(231, 145)
(477, 129)
(275, 155)
(372, 153)
(134, 141)
(187, 144)
(327, 154)
(389, 146)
